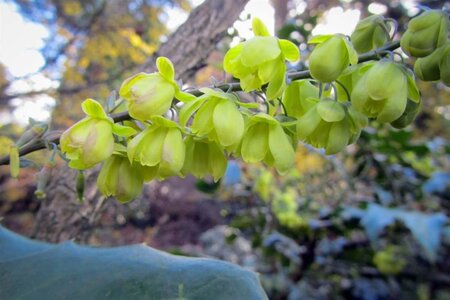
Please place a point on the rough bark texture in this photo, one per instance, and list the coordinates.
(61, 216)
(191, 44)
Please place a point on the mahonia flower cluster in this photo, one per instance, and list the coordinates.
(327, 111)
(427, 40)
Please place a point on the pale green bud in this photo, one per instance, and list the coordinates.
(261, 60)
(14, 161)
(428, 68)
(87, 142)
(160, 145)
(217, 117)
(444, 65)
(152, 94)
(147, 95)
(91, 140)
(120, 179)
(203, 158)
(265, 140)
(382, 92)
(409, 115)
(370, 33)
(425, 33)
(331, 57)
(295, 97)
(326, 125)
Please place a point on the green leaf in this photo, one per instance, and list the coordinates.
(320, 39)
(35, 270)
(259, 28)
(165, 68)
(122, 130)
(93, 109)
(290, 50)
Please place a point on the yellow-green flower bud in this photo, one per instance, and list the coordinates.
(265, 140)
(147, 95)
(14, 161)
(382, 91)
(80, 185)
(37, 130)
(329, 125)
(217, 117)
(409, 115)
(444, 65)
(295, 97)
(370, 33)
(428, 68)
(120, 179)
(261, 60)
(87, 142)
(42, 179)
(150, 95)
(160, 145)
(204, 157)
(332, 55)
(425, 33)
(91, 140)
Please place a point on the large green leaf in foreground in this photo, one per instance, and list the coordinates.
(36, 270)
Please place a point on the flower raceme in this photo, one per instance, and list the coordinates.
(150, 95)
(91, 140)
(261, 60)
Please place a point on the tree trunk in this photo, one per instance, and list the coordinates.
(61, 216)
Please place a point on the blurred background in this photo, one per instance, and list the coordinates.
(369, 223)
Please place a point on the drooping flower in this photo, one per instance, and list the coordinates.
(261, 60)
(412, 110)
(120, 179)
(383, 90)
(149, 95)
(330, 125)
(90, 140)
(204, 157)
(425, 33)
(332, 55)
(428, 68)
(160, 147)
(370, 33)
(217, 117)
(265, 140)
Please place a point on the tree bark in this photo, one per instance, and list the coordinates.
(61, 216)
